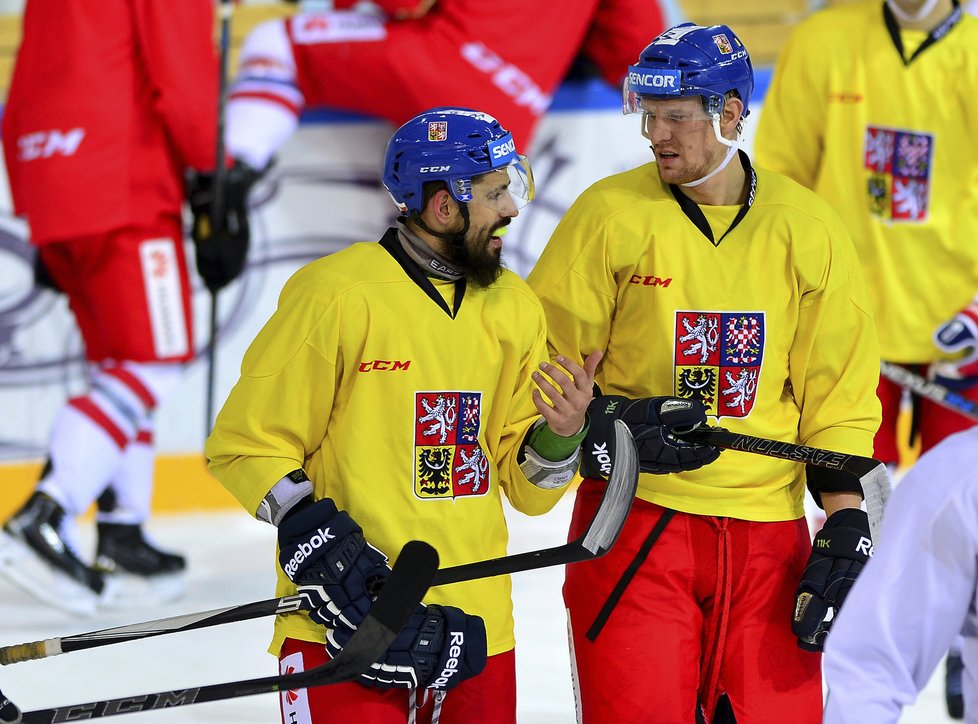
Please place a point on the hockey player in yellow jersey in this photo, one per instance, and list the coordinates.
(405, 386)
(873, 106)
(700, 276)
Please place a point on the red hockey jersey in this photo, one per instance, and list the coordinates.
(617, 30)
(110, 102)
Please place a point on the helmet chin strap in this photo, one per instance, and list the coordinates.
(731, 145)
(926, 9)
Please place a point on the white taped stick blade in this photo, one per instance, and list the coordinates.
(876, 492)
(618, 496)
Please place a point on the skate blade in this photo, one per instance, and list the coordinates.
(20, 565)
(131, 591)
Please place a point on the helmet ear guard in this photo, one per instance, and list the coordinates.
(455, 146)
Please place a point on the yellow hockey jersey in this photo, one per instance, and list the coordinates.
(769, 328)
(407, 417)
(892, 145)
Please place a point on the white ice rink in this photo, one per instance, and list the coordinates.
(230, 563)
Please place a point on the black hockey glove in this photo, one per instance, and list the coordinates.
(652, 422)
(221, 245)
(440, 647)
(323, 551)
(839, 551)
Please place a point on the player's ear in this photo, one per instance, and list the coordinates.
(733, 109)
(443, 206)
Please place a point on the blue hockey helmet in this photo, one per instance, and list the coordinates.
(453, 145)
(687, 60)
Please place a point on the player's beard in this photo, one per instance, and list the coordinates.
(483, 265)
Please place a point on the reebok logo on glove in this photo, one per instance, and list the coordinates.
(304, 550)
(599, 451)
(457, 640)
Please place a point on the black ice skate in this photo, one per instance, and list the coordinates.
(35, 555)
(143, 573)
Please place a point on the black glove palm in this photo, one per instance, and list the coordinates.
(221, 244)
(839, 552)
(653, 422)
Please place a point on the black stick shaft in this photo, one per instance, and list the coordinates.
(870, 473)
(930, 390)
(219, 190)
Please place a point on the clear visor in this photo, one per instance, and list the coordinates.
(672, 116)
(507, 188)
(696, 104)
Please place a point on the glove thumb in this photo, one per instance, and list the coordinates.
(807, 622)
(680, 416)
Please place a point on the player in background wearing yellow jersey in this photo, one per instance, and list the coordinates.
(405, 385)
(873, 106)
(701, 276)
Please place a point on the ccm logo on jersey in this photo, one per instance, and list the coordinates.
(44, 144)
(384, 365)
(317, 540)
(451, 665)
(650, 281)
(508, 78)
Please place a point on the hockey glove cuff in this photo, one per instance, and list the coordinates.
(654, 423)
(839, 552)
(322, 550)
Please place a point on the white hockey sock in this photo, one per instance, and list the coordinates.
(132, 485)
(83, 456)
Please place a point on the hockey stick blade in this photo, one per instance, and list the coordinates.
(932, 391)
(402, 592)
(596, 540)
(599, 537)
(872, 475)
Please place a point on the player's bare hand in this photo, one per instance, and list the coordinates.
(565, 390)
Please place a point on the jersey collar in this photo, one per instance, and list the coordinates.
(392, 244)
(942, 29)
(696, 215)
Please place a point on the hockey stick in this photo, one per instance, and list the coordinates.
(405, 587)
(219, 186)
(933, 391)
(596, 541)
(873, 477)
